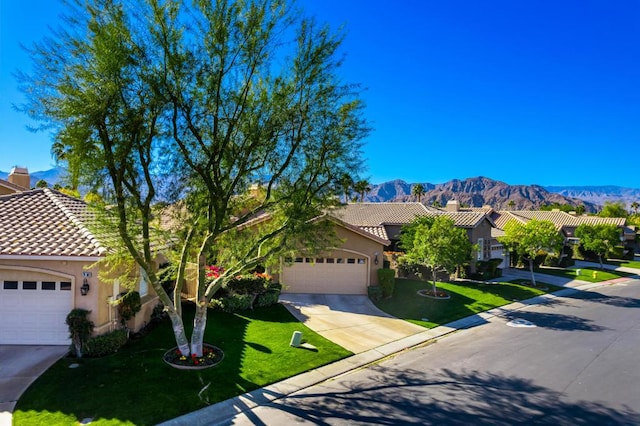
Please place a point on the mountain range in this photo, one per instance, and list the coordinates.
(474, 192)
(480, 191)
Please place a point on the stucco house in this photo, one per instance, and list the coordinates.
(17, 181)
(367, 231)
(566, 223)
(48, 267)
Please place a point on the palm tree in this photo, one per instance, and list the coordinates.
(635, 206)
(511, 204)
(436, 204)
(346, 183)
(417, 190)
(362, 187)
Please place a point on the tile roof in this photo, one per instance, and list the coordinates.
(12, 186)
(43, 222)
(559, 218)
(378, 231)
(376, 214)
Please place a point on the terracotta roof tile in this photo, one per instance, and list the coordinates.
(43, 222)
(377, 214)
(559, 218)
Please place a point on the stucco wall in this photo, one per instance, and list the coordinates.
(97, 300)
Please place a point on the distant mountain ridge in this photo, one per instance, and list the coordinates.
(474, 192)
(52, 176)
(479, 191)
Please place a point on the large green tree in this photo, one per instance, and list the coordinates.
(531, 239)
(435, 243)
(230, 111)
(600, 238)
(614, 209)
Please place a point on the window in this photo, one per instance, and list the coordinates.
(330, 260)
(288, 260)
(319, 260)
(29, 285)
(10, 285)
(339, 260)
(299, 260)
(308, 260)
(144, 286)
(480, 255)
(48, 285)
(361, 261)
(65, 286)
(351, 260)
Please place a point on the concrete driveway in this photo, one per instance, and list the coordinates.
(19, 367)
(352, 322)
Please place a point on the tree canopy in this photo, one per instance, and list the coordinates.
(435, 243)
(600, 238)
(530, 239)
(224, 112)
(614, 209)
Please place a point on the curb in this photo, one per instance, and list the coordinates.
(223, 412)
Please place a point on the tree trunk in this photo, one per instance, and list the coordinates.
(434, 289)
(178, 331)
(600, 260)
(533, 277)
(199, 325)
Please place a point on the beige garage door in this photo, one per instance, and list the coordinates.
(33, 312)
(344, 273)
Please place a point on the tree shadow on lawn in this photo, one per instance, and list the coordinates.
(467, 299)
(136, 386)
(393, 396)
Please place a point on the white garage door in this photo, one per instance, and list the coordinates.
(342, 274)
(34, 312)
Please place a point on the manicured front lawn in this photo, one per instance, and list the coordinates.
(467, 298)
(586, 274)
(626, 263)
(135, 387)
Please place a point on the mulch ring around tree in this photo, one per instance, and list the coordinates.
(439, 294)
(211, 356)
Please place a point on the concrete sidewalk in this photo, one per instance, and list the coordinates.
(223, 412)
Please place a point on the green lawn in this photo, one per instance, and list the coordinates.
(135, 387)
(626, 263)
(467, 298)
(586, 274)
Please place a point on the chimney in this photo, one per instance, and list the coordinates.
(20, 176)
(453, 206)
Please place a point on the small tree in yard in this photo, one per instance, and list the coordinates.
(226, 112)
(532, 238)
(435, 243)
(600, 239)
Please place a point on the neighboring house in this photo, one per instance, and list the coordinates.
(566, 223)
(386, 220)
(47, 255)
(17, 181)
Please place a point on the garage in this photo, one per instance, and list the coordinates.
(340, 273)
(33, 312)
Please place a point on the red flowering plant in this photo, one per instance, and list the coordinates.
(214, 272)
(211, 355)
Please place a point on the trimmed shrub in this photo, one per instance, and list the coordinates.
(387, 281)
(106, 344)
(249, 284)
(80, 330)
(233, 303)
(375, 292)
(129, 304)
(268, 299)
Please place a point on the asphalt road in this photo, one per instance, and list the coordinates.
(579, 365)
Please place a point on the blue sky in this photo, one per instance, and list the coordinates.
(544, 92)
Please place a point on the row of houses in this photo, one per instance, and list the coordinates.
(48, 256)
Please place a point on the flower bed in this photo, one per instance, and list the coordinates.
(211, 356)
